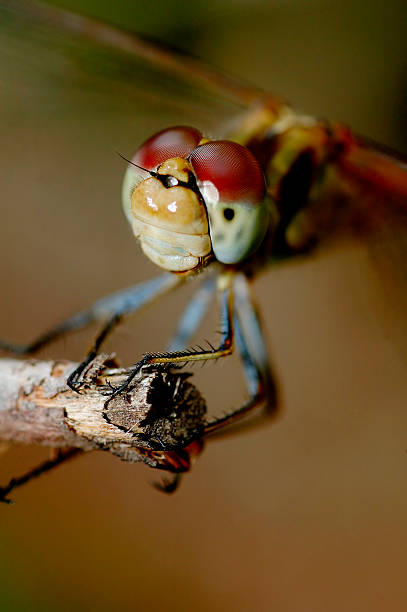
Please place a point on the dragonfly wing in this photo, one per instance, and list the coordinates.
(378, 178)
(361, 193)
(147, 70)
(387, 253)
(68, 102)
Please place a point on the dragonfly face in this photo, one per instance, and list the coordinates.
(201, 200)
(190, 200)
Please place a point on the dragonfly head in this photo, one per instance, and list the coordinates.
(190, 200)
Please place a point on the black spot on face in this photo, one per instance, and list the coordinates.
(228, 213)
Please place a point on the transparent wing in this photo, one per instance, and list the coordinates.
(377, 176)
(72, 93)
(44, 48)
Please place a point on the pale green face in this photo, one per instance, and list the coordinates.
(236, 228)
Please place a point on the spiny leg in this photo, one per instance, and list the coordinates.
(253, 352)
(61, 456)
(121, 302)
(78, 321)
(125, 303)
(225, 287)
(141, 295)
(74, 380)
(113, 307)
(252, 345)
(192, 316)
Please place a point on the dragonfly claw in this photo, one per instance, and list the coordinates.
(75, 383)
(114, 391)
(168, 485)
(3, 498)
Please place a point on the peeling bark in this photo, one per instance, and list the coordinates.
(154, 420)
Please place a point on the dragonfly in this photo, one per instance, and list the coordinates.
(275, 186)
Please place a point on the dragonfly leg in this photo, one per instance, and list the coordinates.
(256, 365)
(60, 457)
(125, 303)
(252, 345)
(74, 380)
(78, 321)
(121, 302)
(193, 314)
(168, 485)
(225, 284)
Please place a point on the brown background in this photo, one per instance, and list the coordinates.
(305, 515)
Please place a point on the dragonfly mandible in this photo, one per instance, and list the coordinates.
(277, 186)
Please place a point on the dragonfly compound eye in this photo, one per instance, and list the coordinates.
(177, 141)
(170, 219)
(232, 184)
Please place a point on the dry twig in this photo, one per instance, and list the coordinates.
(158, 419)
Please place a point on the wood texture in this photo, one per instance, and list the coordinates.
(160, 411)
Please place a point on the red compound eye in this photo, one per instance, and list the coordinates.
(178, 141)
(233, 170)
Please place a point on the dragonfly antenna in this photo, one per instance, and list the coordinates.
(136, 165)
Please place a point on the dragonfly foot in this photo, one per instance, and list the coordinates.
(115, 391)
(3, 499)
(75, 383)
(168, 485)
(145, 361)
(84, 372)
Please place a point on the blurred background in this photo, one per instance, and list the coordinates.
(307, 514)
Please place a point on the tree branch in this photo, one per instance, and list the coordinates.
(161, 413)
